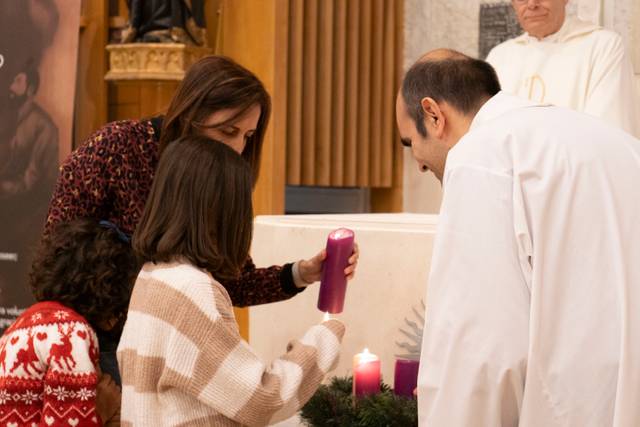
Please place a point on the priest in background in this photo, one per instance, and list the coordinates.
(568, 62)
(533, 302)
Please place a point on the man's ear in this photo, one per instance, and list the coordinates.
(433, 117)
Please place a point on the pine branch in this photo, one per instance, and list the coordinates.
(334, 406)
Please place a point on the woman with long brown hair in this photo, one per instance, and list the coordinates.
(110, 175)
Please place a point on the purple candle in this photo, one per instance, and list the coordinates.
(333, 285)
(406, 377)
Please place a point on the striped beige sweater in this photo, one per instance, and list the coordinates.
(184, 363)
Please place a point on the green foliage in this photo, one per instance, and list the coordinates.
(334, 406)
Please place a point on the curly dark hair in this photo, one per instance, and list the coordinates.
(88, 268)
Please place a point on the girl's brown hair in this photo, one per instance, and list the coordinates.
(199, 208)
(212, 84)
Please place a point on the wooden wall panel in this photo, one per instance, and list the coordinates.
(294, 94)
(339, 90)
(390, 82)
(325, 92)
(91, 89)
(351, 117)
(376, 118)
(341, 84)
(213, 16)
(309, 91)
(134, 99)
(364, 94)
(389, 199)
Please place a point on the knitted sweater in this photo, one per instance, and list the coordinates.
(183, 361)
(48, 364)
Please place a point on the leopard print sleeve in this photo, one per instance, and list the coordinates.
(79, 192)
(262, 285)
(90, 177)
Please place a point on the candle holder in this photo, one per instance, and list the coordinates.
(333, 284)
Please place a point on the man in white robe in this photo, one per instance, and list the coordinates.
(568, 62)
(533, 301)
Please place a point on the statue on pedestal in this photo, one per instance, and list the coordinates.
(166, 21)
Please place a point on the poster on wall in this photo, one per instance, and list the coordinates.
(498, 23)
(38, 56)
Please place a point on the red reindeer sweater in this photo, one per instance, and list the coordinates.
(48, 369)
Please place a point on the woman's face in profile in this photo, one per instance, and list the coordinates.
(235, 133)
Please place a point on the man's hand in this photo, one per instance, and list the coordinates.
(311, 270)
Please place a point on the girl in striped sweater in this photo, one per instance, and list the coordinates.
(181, 356)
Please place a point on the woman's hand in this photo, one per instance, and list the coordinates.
(311, 270)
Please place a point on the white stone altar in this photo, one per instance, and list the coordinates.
(395, 254)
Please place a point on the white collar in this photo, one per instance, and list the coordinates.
(572, 27)
(498, 105)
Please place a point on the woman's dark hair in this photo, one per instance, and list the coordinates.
(86, 267)
(199, 208)
(212, 84)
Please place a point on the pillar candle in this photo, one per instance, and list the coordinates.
(333, 284)
(366, 374)
(406, 377)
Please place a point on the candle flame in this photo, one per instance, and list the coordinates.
(365, 357)
(327, 316)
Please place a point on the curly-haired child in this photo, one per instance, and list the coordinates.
(81, 278)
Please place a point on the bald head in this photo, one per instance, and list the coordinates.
(441, 54)
(450, 77)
